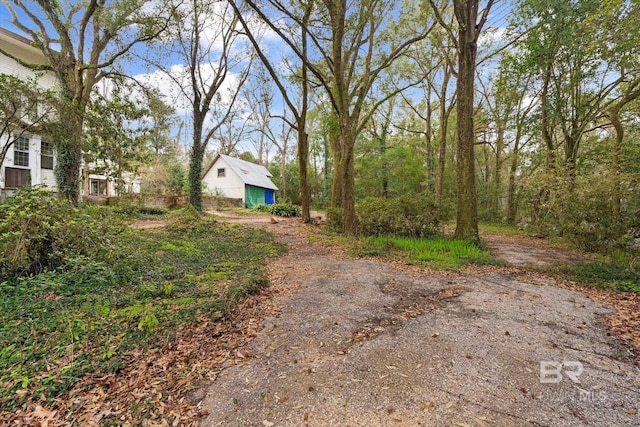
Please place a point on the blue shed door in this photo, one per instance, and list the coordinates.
(269, 197)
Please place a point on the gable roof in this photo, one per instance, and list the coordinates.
(249, 173)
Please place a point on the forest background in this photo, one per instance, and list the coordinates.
(524, 112)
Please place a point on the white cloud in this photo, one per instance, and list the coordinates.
(491, 35)
(176, 90)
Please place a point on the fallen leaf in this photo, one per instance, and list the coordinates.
(305, 417)
(266, 423)
(462, 424)
(423, 406)
(448, 405)
(631, 411)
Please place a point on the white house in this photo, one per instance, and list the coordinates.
(31, 159)
(239, 179)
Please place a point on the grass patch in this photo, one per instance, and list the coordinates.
(60, 327)
(437, 253)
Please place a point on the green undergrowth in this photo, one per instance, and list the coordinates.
(437, 252)
(130, 211)
(80, 319)
(617, 272)
(279, 209)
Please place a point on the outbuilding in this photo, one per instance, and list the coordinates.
(239, 179)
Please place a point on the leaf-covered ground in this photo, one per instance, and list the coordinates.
(121, 341)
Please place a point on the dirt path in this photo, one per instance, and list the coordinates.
(360, 342)
(521, 251)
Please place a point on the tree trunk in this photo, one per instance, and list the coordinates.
(195, 165)
(429, 143)
(512, 205)
(384, 169)
(497, 193)
(303, 137)
(283, 170)
(467, 216)
(303, 163)
(442, 149)
(349, 219)
(336, 185)
(69, 160)
(545, 121)
(616, 187)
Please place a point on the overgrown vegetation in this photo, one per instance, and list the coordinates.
(279, 209)
(437, 252)
(621, 272)
(39, 232)
(410, 216)
(77, 315)
(133, 211)
(581, 213)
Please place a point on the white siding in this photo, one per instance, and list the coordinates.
(19, 48)
(230, 185)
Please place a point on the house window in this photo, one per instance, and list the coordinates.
(98, 187)
(46, 155)
(16, 178)
(21, 151)
(221, 173)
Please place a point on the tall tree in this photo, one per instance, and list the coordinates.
(470, 20)
(82, 43)
(215, 65)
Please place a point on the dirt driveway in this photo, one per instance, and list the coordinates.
(362, 342)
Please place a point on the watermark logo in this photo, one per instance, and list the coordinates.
(575, 395)
(552, 372)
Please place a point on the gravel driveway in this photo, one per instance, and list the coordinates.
(362, 342)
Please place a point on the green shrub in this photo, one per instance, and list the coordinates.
(285, 210)
(39, 231)
(411, 216)
(580, 211)
(262, 208)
